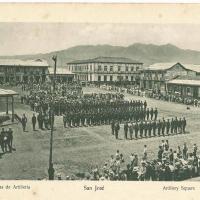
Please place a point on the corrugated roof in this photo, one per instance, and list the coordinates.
(4, 92)
(60, 70)
(185, 82)
(193, 67)
(117, 60)
(161, 66)
(18, 62)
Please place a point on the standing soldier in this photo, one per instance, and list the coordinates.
(151, 113)
(117, 128)
(150, 128)
(167, 126)
(34, 121)
(155, 114)
(141, 127)
(131, 131)
(136, 130)
(147, 114)
(163, 127)
(145, 104)
(184, 123)
(180, 126)
(24, 121)
(172, 126)
(159, 124)
(10, 139)
(176, 125)
(154, 128)
(125, 130)
(113, 127)
(145, 129)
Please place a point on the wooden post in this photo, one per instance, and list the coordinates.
(6, 105)
(12, 109)
(51, 169)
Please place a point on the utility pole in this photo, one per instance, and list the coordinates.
(51, 169)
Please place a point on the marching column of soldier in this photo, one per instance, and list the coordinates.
(150, 128)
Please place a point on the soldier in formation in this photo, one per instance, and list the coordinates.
(106, 115)
(145, 129)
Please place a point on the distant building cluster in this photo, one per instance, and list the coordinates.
(174, 78)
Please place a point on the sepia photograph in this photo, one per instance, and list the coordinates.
(99, 101)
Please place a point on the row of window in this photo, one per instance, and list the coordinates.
(119, 68)
(110, 78)
(103, 68)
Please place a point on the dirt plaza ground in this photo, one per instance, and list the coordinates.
(78, 149)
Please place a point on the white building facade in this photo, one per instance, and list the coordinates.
(106, 69)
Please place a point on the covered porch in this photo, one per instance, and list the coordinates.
(8, 99)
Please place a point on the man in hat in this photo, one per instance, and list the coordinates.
(24, 122)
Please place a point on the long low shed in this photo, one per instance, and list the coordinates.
(189, 88)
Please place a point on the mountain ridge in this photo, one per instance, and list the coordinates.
(146, 53)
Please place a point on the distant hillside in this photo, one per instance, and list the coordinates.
(146, 53)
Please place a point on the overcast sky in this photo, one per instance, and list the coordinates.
(28, 38)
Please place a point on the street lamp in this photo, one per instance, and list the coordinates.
(51, 169)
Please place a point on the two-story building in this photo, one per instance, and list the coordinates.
(106, 69)
(16, 70)
(157, 75)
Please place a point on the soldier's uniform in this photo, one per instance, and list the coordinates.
(154, 127)
(113, 127)
(163, 127)
(184, 123)
(155, 114)
(150, 128)
(125, 130)
(176, 125)
(141, 127)
(145, 129)
(117, 128)
(159, 125)
(147, 114)
(167, 126)
(172, 126)
(151, 113)
(131, 127)
(136, 129)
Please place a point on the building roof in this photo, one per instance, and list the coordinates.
(60, 71)
(4, 93)
(193, 67)
(117, 60)
(166, 66)
(161, 66)
(188, 82)
(18, 62)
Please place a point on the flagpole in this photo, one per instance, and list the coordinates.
(51, 169)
